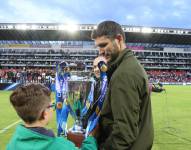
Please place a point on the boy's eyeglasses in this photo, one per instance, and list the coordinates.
(53, 106)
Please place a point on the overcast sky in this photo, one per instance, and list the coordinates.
(151, 13)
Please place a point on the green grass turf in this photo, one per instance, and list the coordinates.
(172, 123)
(171, 116)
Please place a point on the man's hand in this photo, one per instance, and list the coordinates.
(95, 133)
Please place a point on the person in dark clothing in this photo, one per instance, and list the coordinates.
(126, 116)
(156, 87)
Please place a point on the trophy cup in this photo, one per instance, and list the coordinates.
(74, 97)
(76, 133)
(70, 97)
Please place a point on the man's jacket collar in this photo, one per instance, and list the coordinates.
(112, 67)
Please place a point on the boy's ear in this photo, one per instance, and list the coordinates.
(43, 115)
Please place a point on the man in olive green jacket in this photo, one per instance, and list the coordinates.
(126, 117)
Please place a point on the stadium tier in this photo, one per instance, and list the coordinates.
(32, 54)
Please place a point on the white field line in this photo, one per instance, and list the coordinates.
(9, 126)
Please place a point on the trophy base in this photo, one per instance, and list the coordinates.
(76, 138)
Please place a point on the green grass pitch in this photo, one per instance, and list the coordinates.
(171, 116)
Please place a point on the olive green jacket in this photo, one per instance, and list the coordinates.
(126, 117)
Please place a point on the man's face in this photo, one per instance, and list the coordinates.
(108, 48)
(95, 65)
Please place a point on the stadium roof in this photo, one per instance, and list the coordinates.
(57, 32)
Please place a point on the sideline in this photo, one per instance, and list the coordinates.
(9, 126)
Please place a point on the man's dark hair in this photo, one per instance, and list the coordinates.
(110, 29)
(30, 101)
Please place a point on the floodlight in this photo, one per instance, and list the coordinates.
(34, 27)
(61, 27)
(22, 27)
(10, 26)
(136, 29)
(68, 27)
(95, 27)
(51, 27)
(180, 32)
(146, 30)
(159, 30)
(71, 27)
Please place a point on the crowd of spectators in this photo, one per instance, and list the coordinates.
(170, 76)
(23, 75)
(41, 75)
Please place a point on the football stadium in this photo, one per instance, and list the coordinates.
(30, 53)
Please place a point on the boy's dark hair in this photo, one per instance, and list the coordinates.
(110, 29)
(30, 101)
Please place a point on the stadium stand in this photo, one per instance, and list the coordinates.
(31, 55)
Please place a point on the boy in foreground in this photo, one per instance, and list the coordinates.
(33, 105)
